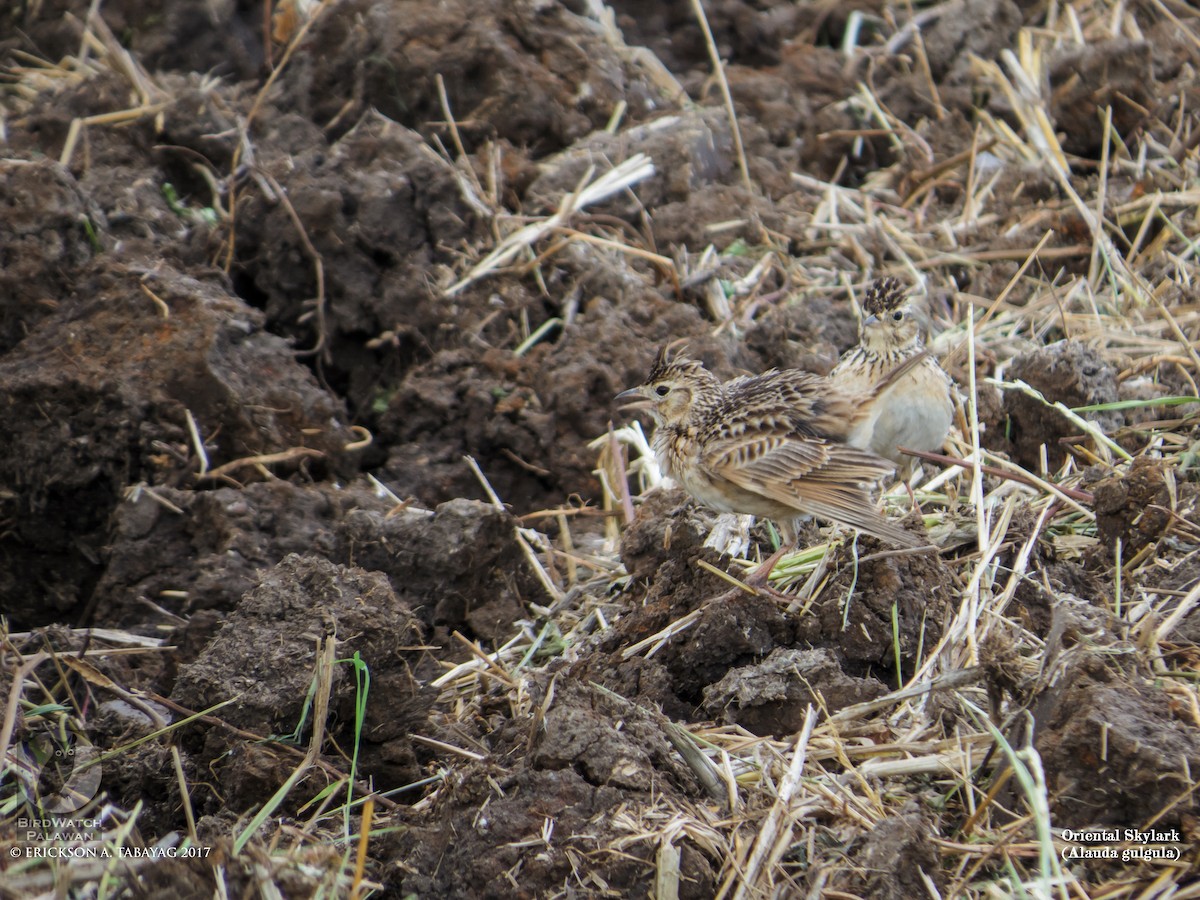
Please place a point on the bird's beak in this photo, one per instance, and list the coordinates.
(870, 320)
(633, 399)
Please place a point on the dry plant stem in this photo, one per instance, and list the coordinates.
(943, 460)
(658, 639)
(1094, 266)
(449, 748)
(776, 831)
(737, 583)
(951, 680)
(953, 162)
(889, 554)
(978, 257)
(662, 262)
(318, 265)
(259, 98)
(618, 459)
(487, 660)
(568, 550)
(1048, 487)
(324, 682)
(136, 642)
(1188, 346)
(463, 165)
(997, 786)
(96, 678)
(588, 191)
(1033, 254)
(364, 838)
(266, 459)
(86, 41)
(1182, 28)
(113, 118)
(98, 34)
(197, 443)
(444, 100)
(926, 71)
(15, 687)
(1185, 606)
(185, 795)
(158, 301)
(719, 73)
(536, 564)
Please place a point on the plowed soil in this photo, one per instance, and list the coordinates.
(249, 398)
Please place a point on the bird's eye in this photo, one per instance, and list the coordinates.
(897, 315)
(662, 390)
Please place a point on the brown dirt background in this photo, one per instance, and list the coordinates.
(188, 503)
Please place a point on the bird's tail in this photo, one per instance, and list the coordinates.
(860, 516)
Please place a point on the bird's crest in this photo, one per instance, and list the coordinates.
(883, 296)
(673, 361)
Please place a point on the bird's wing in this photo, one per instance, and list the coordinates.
(811, 475)
(790, 403)
(780, 466)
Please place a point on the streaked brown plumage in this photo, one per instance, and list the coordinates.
(916, 409)
(769, 445)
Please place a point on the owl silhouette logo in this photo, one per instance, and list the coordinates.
(57, 774)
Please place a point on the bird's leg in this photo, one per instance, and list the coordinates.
(760, 577)
(905, 472)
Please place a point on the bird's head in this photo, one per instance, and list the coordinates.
(890, 320)
(672, 389)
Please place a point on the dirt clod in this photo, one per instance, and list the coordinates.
(264, 658)
(118, 415)
(1113, 748)
(772, 697)
(897, 860)
(667, 525)
(871, 608)
(590, 757)
(1133, 506)
(44, 231)
(1066, 372)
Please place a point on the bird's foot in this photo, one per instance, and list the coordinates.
(760, 576)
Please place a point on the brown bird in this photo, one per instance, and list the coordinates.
(915, 409)
(770, 445)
